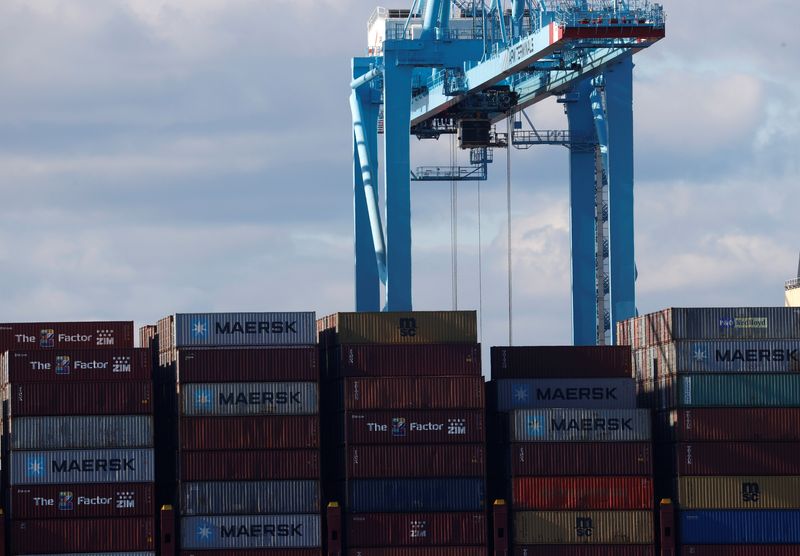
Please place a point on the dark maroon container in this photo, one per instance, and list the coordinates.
(413, 393)
(249, 433)
(584, 550)
(97, 365)
(452, 426)
(740, 550)
(455, 460)
(423, 529)
(738, 458)
(241, 465)
(575, 459)
(561, 362)
(730, 424)
(404, 360)
(75, 398)
(66, 335)
(79, 501)
(255, 552)
(419, 551)
(249, 365)
(49, 536)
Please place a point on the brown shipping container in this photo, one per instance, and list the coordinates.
(578, 458)
(79, 501)
(561, 362)
(249, 365)
(419, 551)
(255, 552)
(417, 327)
(97, 365)
(412, 360)
(66, 335)
(586, 550)
(740, 550)
(738, 493)
(584, 527)
(418, 529)
(88, 398)
(738, 458)
(730, 424)
(249, 433)
(415, 427)
(460, 460)
(147, 334)
(48, 536)
(578, 493)
(254, 465)
(413, 393)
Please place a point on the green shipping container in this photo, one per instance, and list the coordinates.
(740, 390)
(416, 327)
(584, 527)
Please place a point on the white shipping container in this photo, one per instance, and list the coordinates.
(81, 466)
(580, 425)
(251, 531)
(250, 398)
(242, 329)
(76, 432)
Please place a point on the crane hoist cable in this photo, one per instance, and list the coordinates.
(480, 269)
(454, 223)
(509, 126)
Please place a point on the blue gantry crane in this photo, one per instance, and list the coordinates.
(459, 67)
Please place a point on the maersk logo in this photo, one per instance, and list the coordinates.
(203, 398)
(205, 532)
(521, 393)
(536, 425)
(757, 355)
(256, 327)
(262, 530)
(35, 466)
(593, 425)
(700, 354)
(200, 328)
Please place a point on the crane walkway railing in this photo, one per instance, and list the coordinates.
(793, 284)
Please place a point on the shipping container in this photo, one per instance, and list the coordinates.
(583, 527)
(249, 433)
(94, 365)
(584, 393)
(66, 433)
(586, 458)
(250, 531)
(412, 393)
(580, 425)
(81, 501)
(248, 498)
(237, 329)
(404, 360)
(584, 550)
(740, 390)
(89, 398)
(66, 335)
(738, 493)
(581, 493)
(737, 458)
(252, 465)
(49, 536)
(250, 398)
(730, 424)
(254, 552)
(418, 327)
(414, 427)
(105, 554)
(147, 333)
(740, 550)
(460, 460)
(248, 365)
(80, 466)
(561, 362)
(415, 529)
(416, 495)
(418, 551)
(739, 526)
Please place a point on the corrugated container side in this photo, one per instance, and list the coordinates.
(147, 334)
(729, 323)
(584, 393)
(584, 527)
(741, 390)
(65, 433)
(417, 327)
(66, 335)
(249, 433)
(737, 458)
(738, 493)
(580, 425)
(589, 458)
(47, 536)
(81, 466)
(107, 554)
(81, 501)
(243, 329)
(416, 495)
(250, 531)
(585, 550)
(243, 465)
(739, 526)
(416, 529)
(414, 427)
(94, 365)
(561, 362)
(730, 424)
(461, 460)
(404, 360)
(251, 398)
(254, 552)
(88, 398)
(248, 365)
(413, 393)
(419, 551)
(739, 550)
(578, 493)
(257, 497)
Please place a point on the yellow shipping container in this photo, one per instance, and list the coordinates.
(416, 327)
(584, 527)
(739, 493)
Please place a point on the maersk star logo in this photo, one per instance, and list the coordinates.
(204, 532)
(536, 426)
(521, 393)
(200, 328)
(35, 466)
(699, 354)
(203, 398)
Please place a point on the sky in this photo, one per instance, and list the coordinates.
(174, 156)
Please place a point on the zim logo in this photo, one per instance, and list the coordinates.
(584, 526)
(408, 328)
(456, 426)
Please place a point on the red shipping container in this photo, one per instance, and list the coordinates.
(48, 536)
(97, 365)
(66, 335)
(419, 551)
(79, 501)
(404, 360)
(418, 529)
(75, 398)
(561, 362)
(414, 427)
(462, 460)
(740, 550)
(730, 424)
(241, 465)
(582, 493)
(590, 458)
(414, 393)
(249, 433)
(255, 552)
(584, 550)
(297, 364)
(738, 458)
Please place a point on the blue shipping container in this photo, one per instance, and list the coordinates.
(740, 527)
(416, 495)
(588, 393)
(244, 329)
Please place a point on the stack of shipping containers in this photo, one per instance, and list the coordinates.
(573, 452)
(78, 438)
(247, 432)
(726, 386)
(405, 436)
